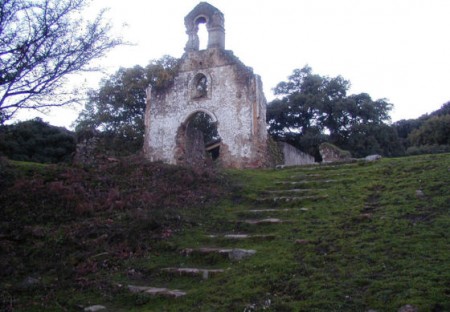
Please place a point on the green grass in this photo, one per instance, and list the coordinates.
(376, 239)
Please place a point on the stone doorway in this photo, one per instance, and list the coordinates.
(199, 139)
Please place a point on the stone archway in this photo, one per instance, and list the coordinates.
(198, 139)
(217, 83)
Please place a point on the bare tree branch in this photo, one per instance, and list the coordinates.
(41, 43)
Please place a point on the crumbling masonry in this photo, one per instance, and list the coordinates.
(215, 83)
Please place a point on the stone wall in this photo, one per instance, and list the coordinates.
(87, 148)
(294, 156)
(217, 83)
(332, 153)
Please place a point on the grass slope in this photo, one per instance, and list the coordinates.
(363, 236)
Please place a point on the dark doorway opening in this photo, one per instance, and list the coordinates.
(202, 137)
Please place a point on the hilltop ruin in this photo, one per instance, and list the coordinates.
(213, 90)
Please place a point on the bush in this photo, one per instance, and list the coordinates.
(435, 131)
(37, 141)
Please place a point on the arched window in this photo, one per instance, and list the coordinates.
(200, 87)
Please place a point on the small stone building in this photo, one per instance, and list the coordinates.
(212, 86)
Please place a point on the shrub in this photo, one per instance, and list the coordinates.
(36, 140)
(435, 131)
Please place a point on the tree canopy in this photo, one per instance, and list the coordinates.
(313, 108)
(42, 42)
(116, 110)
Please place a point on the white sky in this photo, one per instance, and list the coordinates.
(394, 49)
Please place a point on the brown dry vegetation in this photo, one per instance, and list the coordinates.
(70, 223)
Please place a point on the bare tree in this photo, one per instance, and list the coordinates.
(41, 43)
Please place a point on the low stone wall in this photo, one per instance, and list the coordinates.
(331, 153)
(294, 156)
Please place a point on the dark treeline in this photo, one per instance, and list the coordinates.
(310, 109)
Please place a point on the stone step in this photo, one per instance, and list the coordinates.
(205, 273)
(94, 308)
(327, 175)
(275, 210)
(245, 236)
(306, 175)
(291, 198)
(231, 253)
(307, 182)
(154, 291)
(264, 221)
(296, 190)
(333, 165)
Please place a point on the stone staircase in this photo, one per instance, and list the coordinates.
(277, 207)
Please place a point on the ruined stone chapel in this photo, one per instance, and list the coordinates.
(212, 90)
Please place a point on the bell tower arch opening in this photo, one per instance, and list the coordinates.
(204, 14)
(202, 32)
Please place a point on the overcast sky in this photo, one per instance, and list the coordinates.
(393, 49)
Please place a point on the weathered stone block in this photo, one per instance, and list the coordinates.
(332, 153)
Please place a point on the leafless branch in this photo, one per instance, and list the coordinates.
(41, 43)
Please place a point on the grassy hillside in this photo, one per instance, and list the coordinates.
(350, 237)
